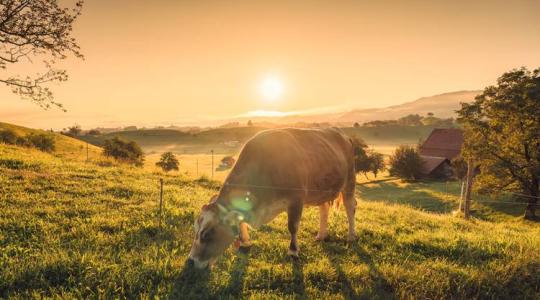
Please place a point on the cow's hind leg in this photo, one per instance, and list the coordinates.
(294, 214)
(324, 209)
(349, 202)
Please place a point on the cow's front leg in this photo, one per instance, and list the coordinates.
(294, 214)
(244, 236)
(324, 210)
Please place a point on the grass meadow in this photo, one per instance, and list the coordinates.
(76, 229)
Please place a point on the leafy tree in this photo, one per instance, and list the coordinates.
(125, 151)
(356, 125)
(74, 130)
(42, 141)
(168, 162)
(376, 162)
(32, 31)
(406, 163)
(502, 135)
(411, 120)
(361, 160)
(249, 123)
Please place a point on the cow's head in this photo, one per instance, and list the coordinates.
(213, 234)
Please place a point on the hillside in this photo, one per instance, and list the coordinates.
(443, 106)
(76, 230)
(65, 145)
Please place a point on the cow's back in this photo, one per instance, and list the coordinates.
(312, 164)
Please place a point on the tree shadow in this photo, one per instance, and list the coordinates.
(347, 288)
(409, 194)
(383, 288)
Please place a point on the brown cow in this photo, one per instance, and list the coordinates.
(278, 170)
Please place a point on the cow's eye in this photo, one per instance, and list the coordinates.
(206, 234)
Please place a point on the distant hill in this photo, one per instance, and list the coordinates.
(65, 146)
(443, 106)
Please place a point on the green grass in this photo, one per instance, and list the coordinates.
(70, 229)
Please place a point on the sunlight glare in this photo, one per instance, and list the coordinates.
(271, 88)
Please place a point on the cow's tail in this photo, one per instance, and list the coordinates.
(338, 201)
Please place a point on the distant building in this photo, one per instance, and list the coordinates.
(441, 147)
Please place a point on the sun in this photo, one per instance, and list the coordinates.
(271, 88)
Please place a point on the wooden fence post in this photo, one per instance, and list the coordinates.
(160, 201)
(468, 189)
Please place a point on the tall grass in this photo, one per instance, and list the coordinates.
(73, 229)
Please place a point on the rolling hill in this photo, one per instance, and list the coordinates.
(65, 146)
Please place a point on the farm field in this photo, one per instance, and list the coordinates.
(75, 229)
(229, 141)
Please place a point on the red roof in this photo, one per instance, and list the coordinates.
(441, 142)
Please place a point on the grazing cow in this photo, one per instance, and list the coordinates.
(277, 171)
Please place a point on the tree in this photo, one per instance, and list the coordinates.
(502, 135)
(410, 120)
(361, 160)
(125, 151)
(406, 163)
(32, 31)
(74, 130)
(356, 125)
(249, 123)
(168, 162)
(376, 162)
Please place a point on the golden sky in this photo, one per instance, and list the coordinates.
(176, 62)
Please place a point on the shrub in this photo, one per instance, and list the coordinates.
(168, 162)
(406, 163)
(42, 141)
(8, 136)
(124, 151)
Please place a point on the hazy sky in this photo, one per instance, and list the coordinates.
(163, 62)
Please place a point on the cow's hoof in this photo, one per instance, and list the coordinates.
(352, 238)
(293, 253)
(321, 238)
(244, 249)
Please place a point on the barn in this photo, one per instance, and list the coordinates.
(440, 148)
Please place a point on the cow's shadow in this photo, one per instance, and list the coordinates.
(191, 283)
(235, 286)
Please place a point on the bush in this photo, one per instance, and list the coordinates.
(8, 136)
(42, 141)
(406, 163)
(168, 162)
(124, 151)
